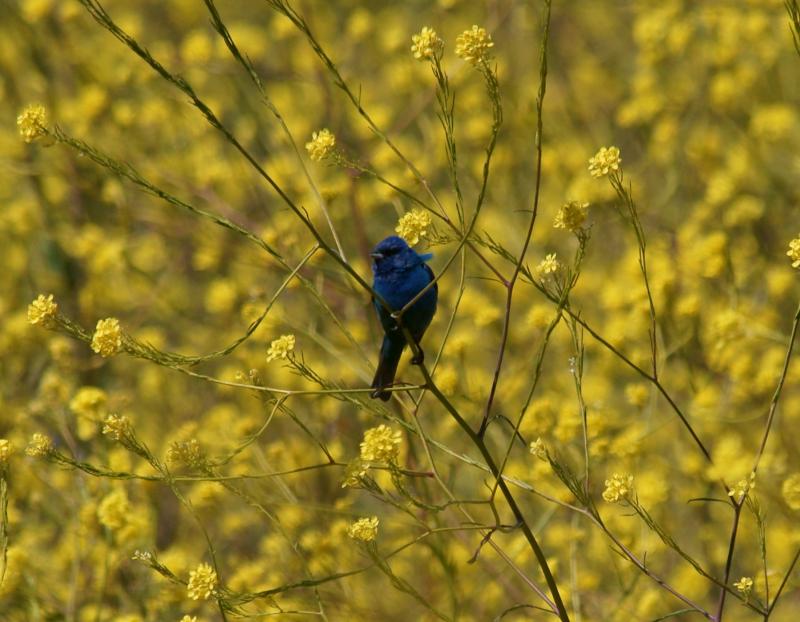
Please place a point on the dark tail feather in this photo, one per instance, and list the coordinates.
(387, 367)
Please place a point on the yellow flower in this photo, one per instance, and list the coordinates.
(473, 45)
(539, 449)
(31, 122)
(604, 161)
(114, 509)
(571, 215)
(321, 145)
(107, 338)
(355, 470)
(742, 488)
(364, 529)
(6, 449)
(188, 452)
(773, 122)
(89, 406)
(188, 618)
(39, 446)
(744, 585)
(793, 253)
(89, 402)
(548, 265)
(426, 44)
(791, 491)
(42, 311)
(202, 582)
(618, 488)
(381, 444)
(116, 427)
(413, 225)
(280, 348)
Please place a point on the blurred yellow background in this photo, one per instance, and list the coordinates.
(702, 100)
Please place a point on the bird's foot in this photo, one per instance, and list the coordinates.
(381, 394)
(418, 359)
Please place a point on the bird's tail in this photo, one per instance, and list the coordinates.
(387, 367)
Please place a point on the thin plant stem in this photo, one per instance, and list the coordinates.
(532, 221)
(220, 27)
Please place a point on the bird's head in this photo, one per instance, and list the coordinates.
(393, 254)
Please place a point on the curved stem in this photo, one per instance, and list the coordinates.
(518, 267)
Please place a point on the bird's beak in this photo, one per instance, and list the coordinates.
(376, 255)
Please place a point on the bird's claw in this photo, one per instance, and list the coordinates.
(418, 359)
(381, 394)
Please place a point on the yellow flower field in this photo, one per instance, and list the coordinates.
(605, 424)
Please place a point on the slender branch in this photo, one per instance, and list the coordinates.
(220, 27)
(767, 428)
(784, 581)
(284, 8)
(777, 395)
(737, 512)
(641, 565)
(568, 285)
(641, 243)
(509, 497)
(535, 210)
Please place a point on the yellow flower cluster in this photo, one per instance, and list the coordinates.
(114, 510)
(571, 215)
(39, 446)
(355, 470)
(548, 265)
(473, 45)
(321, 145)
(32, 122)
(42, 311)
(6, 449)
(742, 488)
(364, 529)
(538, 449)
(413, 225)
(605, 161)
(794, 252)
(280, 348)
(427, 44)
(381, 444)
(189, 453)
(89, 406)
(117, 427)
(107, 338)
(744, 585)
(202, 582)
(791, 491)
(618, 488)
(89, 402)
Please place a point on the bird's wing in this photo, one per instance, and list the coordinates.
(386, 320)
(430, 274)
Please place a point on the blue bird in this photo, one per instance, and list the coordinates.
(399, 275)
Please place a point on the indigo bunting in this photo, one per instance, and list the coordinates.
(400, 274)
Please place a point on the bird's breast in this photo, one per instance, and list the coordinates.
(399, 288)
